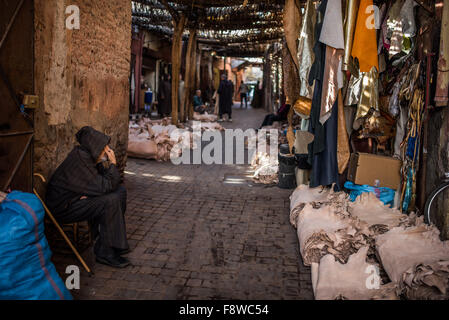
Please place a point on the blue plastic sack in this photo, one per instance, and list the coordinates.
(386, 195)
(26, 272)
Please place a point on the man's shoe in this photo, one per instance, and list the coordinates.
(115, 262)
(230, 120)
(220, 120)
(122, 251)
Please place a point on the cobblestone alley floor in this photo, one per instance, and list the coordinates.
(202, 232)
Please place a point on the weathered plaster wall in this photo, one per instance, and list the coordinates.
(81, 76)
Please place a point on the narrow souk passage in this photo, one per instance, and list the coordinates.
(197, 234)
(346, 198)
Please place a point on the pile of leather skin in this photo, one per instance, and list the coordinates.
(416, 260)
(265, 168)
(149, 139)
(333, 280)
(156, 139)
(210, 126)
(204, 117)
(343, 241)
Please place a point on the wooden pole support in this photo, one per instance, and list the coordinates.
(75, 251)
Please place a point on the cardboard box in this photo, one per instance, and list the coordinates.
(365, 168)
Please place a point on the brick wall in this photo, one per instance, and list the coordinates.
(81, 76)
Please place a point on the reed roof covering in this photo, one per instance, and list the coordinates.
(231, 27)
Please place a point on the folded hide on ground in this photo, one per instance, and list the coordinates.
(331, 232)
(353, 280)
(417, 260)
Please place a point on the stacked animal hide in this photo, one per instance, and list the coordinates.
(265, 168)
(211, 126)
(139, 146)
(155, 139)
(416, 260)
(378, 217)
(149, 139)
(317, 197)
(340, 239)
(324, 231)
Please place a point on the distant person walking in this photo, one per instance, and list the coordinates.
(226, 93)
(243, 94)
(257, 96)
(181, 94)
(164, 97)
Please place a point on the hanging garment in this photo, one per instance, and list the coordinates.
(292, 28)
(384, 37)
(407, 15)
(291, 81)
(394, 103)
(382, 27)
(333, 37)
(349, 116)
(304, 124)
(352, 8)
(394, 24)
(382, 63)
(401, 127)
(323, 150)
(305, 49)
(332, 30)
(354, 90)
(332, 82)
(325, 164)
(343, 150)
(369, 98)
(316, 75)
(365, 38)
(319, 49)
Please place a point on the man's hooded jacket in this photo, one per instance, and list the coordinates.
(79, 175)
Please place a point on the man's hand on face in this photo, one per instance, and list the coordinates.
(102, 157)
(111, 155)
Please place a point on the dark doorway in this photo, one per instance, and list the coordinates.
(16, 81)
